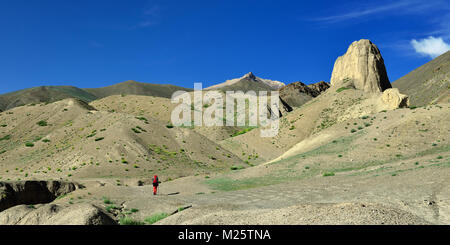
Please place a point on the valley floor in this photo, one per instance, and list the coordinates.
(395, 193)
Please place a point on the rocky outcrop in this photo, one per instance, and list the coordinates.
(297, 93)
(319, 87)
(26, 203)
(363, 66)
(52, 214)
(32, 192)
(72, 102)
(286, 107)
(393, 99)
(250, 76)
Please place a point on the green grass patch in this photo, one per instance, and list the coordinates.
(335, 147)
(155, 218)
(37, 138)
(342, 89)
(110, 208)
(107, 201)
(61, 197)
(42, 123)
(6, 137)
(435, 150)
(244, 131)
(94, 133)
(227, 184)
(139, 128)
(130, 221)
(142, 119)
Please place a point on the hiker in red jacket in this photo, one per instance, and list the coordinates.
(156, 182)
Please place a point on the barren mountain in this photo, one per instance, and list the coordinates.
(429, 83)
(136, 88)
(48, 94)
(71, 139)
(44, 94)
(297, 93)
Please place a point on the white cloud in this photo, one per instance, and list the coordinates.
(430, 46)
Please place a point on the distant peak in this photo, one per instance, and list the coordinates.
(250, 75)
(274, 85)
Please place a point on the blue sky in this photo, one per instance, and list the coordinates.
(94, 43)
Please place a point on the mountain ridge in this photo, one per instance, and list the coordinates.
(428, 83)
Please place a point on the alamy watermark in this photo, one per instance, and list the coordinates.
(229, 108)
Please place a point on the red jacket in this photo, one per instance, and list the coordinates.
(155, 180)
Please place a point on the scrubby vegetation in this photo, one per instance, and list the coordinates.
(7, 137)
(342, 89)
(155, 218)
(42, 123)
(99, 139)
(135, 130)
(246, 130)
(107, 201)
(236, 168)
(130, 221)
